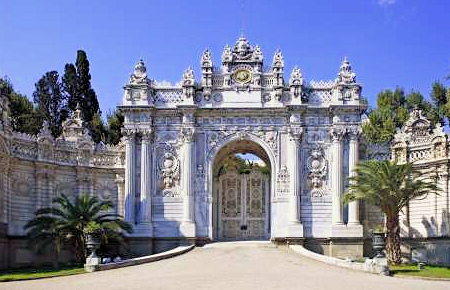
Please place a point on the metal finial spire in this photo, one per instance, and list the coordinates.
(243, 17)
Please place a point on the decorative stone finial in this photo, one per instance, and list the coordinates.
(242, 49)
(188, 77)
(345, 74)
(257, 54)
(206, 59)
(296, 77)
(140, 73)
(226, 54)
(45, 132)
(278, 60)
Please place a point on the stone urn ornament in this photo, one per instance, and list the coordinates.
(379, 242)
(93, 243)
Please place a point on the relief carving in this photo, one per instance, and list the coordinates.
(283, 182)
(317, 171)
(169, 171)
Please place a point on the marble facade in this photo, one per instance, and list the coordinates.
(308, 132)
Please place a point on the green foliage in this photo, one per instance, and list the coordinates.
(392, 112)
(76, 84)
(242, 166)
(99, 130)
(24, 117)
(115, 124)
(85, 94)
(69, 84)
(51, 104)
(389, 186)
(28, 274)
(427, 271)
(69, 222)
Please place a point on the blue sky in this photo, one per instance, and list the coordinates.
(389, 42)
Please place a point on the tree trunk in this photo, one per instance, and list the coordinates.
(393, 251)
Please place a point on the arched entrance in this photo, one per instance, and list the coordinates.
(241, 192)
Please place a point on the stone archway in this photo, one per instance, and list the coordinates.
(241, 201)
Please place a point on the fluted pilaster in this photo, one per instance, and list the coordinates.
(130, 176)
(337, 135)
(353, 157)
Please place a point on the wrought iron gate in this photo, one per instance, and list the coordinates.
(243, 205)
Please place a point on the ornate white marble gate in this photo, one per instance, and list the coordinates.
(243, 205)
(176, 136)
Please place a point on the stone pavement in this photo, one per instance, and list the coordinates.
(238, 265)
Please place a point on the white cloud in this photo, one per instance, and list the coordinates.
(386, 2)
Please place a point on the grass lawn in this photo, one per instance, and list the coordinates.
(427, 271)
(25, 274)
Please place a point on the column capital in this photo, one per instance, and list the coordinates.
(128, 133)
(187, 134)
(296, 133)
(147, 135)
(354, 133)
(337, 134)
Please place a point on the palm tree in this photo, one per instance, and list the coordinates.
(68, 223)
(390, 186)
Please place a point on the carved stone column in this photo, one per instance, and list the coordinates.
(187, 228)
(145, 200)
(130, 176)
(337, 135)
(295, 225)
(120, 193)
(145, 227)
(295, 138)
(353, 157)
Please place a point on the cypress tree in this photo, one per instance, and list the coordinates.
(87, 96)
(50, 101)
(69, 84)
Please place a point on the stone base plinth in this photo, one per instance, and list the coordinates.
(346, 231)
(295, 230)
(143, 230)
(187, 229)
(91, 262)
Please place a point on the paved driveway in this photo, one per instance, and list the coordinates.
(230, 266)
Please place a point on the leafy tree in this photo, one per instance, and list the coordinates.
(389, 186)
(392, 112)
(416, 100)
(99, 131)
(51, 104)
(115, 124)
(69, 222)
(441, 98)
(23, 115)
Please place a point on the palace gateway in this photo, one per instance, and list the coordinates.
(177, 137)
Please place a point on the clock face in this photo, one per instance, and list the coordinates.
(242, 76)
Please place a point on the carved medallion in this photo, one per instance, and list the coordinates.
(242, 76)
